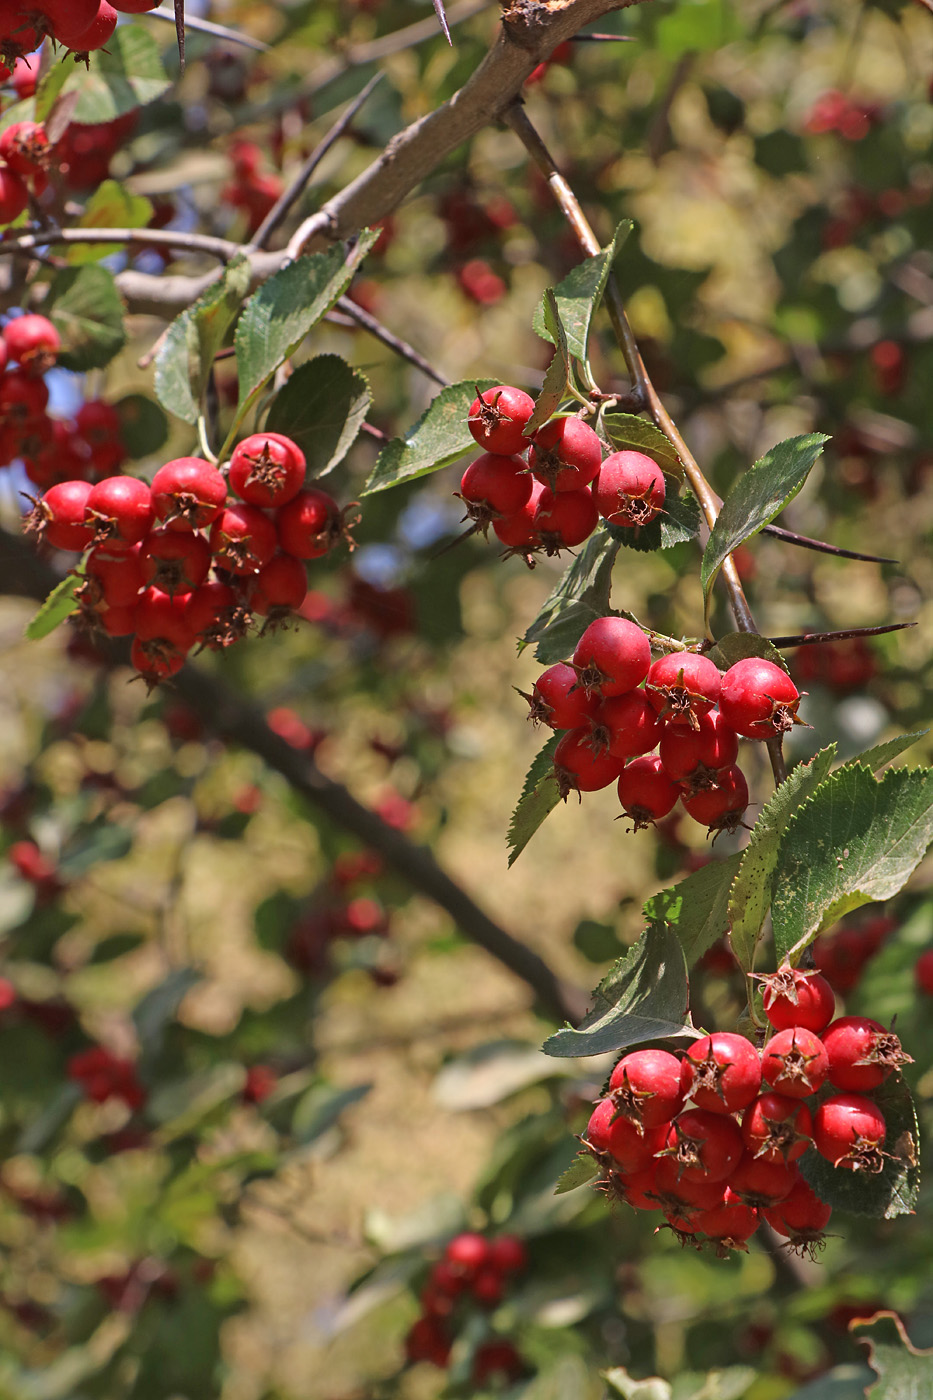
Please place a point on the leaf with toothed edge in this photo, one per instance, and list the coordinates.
(579, 597)
(629, 433)
(540, 795)
(440, 436)
(578, 296)
(678, 523)
(697, 908)
(583, 1170)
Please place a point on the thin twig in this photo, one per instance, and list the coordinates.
(805, 542)
(217, 31)
(806, 638)
(285, 200)
(221, 248)
(394, 342)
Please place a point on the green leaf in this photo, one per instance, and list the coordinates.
(756, 498)
(678, 523)
(92, 844)
(578, 296)
(580, 596)
(892, 1191)
(49, 87)
(180, 1105)
(322, 408)
(125, 75)
(584, 1169)
(110, 206)
(903, 1370)
(87, 311)
(439, 437)
(598, 943)
(539, 797)
(53, 1117)
(185, 357)
(751, 893)
(696, 26)
(143, 425)
(627, 432)
(157, 1008)
(58, 605)
(643, 997)
(857, 839)
(552, 392)
(320, 1109)
(697, 908)
(875, 758)
(280, 314)
(736, 646)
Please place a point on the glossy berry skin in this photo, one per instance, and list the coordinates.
(923, 973)
(565, 519)
(14, 196)
(209, 606)
(308, 524)
(721, 1072)
(33, 341)
(497, 419)
(162, 618)
(188, 493)
(59, 518)
(508, 1254)
(579, 767)
(721, 807)
(628, 1145)
(118, 573)
(281, 586)
(627, 724)
(801, 1215)
(494, 486)
(646, 792)
(175, 561)
(776, 1128)
(467, 1253)
(861, 1053)
(97, 33)
(696, 756)
(558, 701)
(518, 531)
(794, 998)
(706, 1146)
(674, 1192)
(730, 1224)
(267, 469)
(566, 455)
(682, 686)
(795, 1063)
(630, 489)
(761, 1182)
(242, 539)
(849, 1131)
(645, 1087)
(758, 699)
(612, 656)
(120, 509)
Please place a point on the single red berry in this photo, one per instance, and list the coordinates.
(721, 1072)
(792, 997)
(565, 519)
(161, 618)
(508, 1254)
(496, 1361)
(494, 486)
(923, 973)
(447, 1279)
(705, 1146)
(59, 517)
(579, 768)
(309, 524)
(260, 1082)
(488, 1287)
(612, 656)
(758, 699)
(120, 510)
(801, 1216)
(118, 573)
(722, 807)
(14, 196)
(776, 1128)
(646, 792)
(682, 686)
(242, 539)
(498, 417)
(280, 588)
(627, 1143)
(760, 1182)
(428, 1340)
(23, 397)
(175, 561)
(267, 469)
(557, 701)
(467, 1253)
(30, 863)
(566, 455)
(730, 1224)
(33, 341)
(518, 531)
(645, 1087)
(794, 1062)
(64, 15)
(696, 756)
(188, 493)
(99, 428)
(861, 1053)
(216, 615)
(626, 724)
(629, 489)
(675, 1193)
(117, 622)
(96, 35)
(638, 1189)
(849, 1131)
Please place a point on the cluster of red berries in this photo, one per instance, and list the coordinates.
(153, 548)
(51, 449)
(251, 190)
(553, 497)
(842, 666)
(80, 25)
(474, 1270)
(852, 118)
(718, 1168)
(618, 706)
(103, 1075)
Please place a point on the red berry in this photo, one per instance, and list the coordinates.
(118, 573)
(794, 1062)
(281, 587)
(14, 196)
(117, 621)
(120, 510)
(508, 1254)
(721, 1072)
(760, 1182)
(487, 1287)
(675, 1193)
(729, 1224)
(467, 1253)
(160, 618)
(626, 724)
(629, 489)
(267, 469)
(638, 1189)
(795, 998)
(705, 1146)
(645, 1087)
(849, 1131)
(518, 531)
(923, 972)
(188, 493)
(758, 699)
(175, 561)
(722, 807)
(498, 417)
(565, 519)
(242, 539)
(558, 701)
(612, 656)
(565, 455)
(628, 1145)
(427, 1340)
(646, 792)
(861, 1053)
(493, 487)
(96, 34)
(33, 341)
(579, 767)
(309, 524)
(776, 1128)
(697, 756)
(682, 686)
(59, 517)
(801, 1215)
(23, 397)
(496, 1361)
(215, 614)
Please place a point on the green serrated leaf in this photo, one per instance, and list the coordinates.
(697, 908)
(87, 311)
(125, 75)
(904, 1371)
(551, 393)
(110, 206)
(185, 357)
(578, 296)
(892, 1191)
(756, 498)
(628, 432)
(58, 605)
(678, 523)
(751, 894)
(580, 596)
(143, 425)
(856, 840)
(540, 795)
(322, 408)
(439, 437)
(736, 646)
(643, 997)
(280, 314)
(49, 86)
(881, 754)
(584, 1169)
